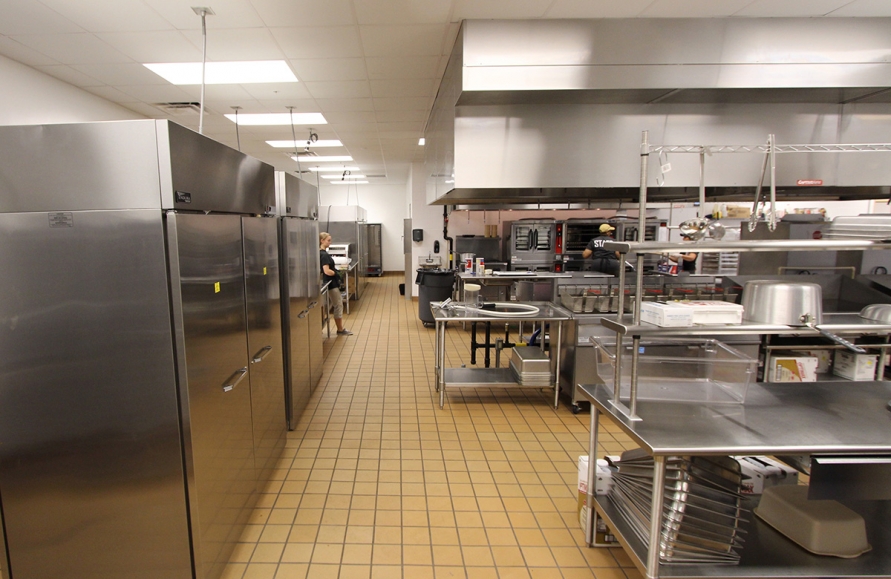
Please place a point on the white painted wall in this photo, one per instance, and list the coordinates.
(31, 97)
(385, 204)
(428, 218)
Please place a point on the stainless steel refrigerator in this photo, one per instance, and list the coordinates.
(302, 310)
(374, 257)
(141, 386)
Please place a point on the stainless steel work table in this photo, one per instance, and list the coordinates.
(838, 417)
(349, 271)
(490, 377)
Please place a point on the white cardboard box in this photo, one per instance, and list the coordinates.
(714, 312)
(824, 358)
(855, 366)
(603, 483)
(760, 472)
(792, 369)
(666, 315)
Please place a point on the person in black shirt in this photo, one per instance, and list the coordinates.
(603, 260)
(331, 279)
(686, 261)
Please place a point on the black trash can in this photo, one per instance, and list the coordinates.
(435, 286)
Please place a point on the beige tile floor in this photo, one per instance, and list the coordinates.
(378, 483)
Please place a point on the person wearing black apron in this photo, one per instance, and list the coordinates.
(331, 279)
(686, 261)
(603, 260)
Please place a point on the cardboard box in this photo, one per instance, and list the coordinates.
(709, 312)
(602, 534)
(792, 369)
(761, 472)
(855, 366)
(738, 212)
(824, 358)
(666, 315)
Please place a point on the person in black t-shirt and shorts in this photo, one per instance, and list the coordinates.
(603, 260)
(331, 279)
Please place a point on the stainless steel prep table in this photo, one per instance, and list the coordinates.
(489, 377)
(838, 417)
(505, 281)
(350, 282)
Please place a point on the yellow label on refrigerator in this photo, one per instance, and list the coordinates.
(216, 287)
(264, 271)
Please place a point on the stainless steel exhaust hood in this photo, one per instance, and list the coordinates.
(551, 111)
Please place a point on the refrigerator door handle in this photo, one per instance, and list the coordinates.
(302, 314)
(234, 379)
(258, 357)
(312, 305)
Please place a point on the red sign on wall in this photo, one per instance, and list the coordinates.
(809, 182)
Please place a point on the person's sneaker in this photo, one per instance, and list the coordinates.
(344, 332)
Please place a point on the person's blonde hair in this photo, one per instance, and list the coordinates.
(322, 236)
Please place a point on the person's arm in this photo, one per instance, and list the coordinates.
(587, 253)
(328, 271)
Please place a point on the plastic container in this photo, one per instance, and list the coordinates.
(679, 370)
(472, 295)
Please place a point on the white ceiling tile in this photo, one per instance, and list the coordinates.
(401, 116)
(299, 12)
(390, 67)
(402, 103)
(278, 91)
(157, 93)
(33, 18)
(146, 110)
(693, 8)
(70, 75)
(218, 92)
(312, 69)
(160, 46)
(518, 9)
(227, 14)
(772, 8)
(23, 54)
(123, 74)
(417, 40)
(359, 130)
(334, 89)
(337, 105)
(79, 48)
(596, 8)
(109, 15)
(319, 42)
(451, 36)
(865, 8)
(238, 44)
(403, 88)
(402, 11)
(394, 130)
(109, 93)
(341, 118)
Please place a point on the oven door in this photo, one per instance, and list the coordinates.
(533, 241)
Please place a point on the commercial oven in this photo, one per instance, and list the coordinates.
(573, 235)
(532, 245)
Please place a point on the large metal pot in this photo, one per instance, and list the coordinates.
(782, 303)
(788, 304)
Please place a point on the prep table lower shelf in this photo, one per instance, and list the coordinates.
(767, 553)
(482, 378)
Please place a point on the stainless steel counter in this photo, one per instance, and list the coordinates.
(837, 417)
(835, 323)
(489, 377)
(829, 417)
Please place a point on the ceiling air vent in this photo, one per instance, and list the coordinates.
(183, 108)
(381, 176)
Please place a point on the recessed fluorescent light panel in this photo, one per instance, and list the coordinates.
(322, 158)
(243, 72)
(349, 182)
(422, 141)
(343, 176)
(269, 119)
(340, 169)
(295, 144)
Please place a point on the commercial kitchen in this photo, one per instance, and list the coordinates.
(174, 403)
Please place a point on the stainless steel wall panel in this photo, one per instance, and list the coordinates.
(78, 167)
(209, 176)
(91, 472)
(217, 420)
(264, 325)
